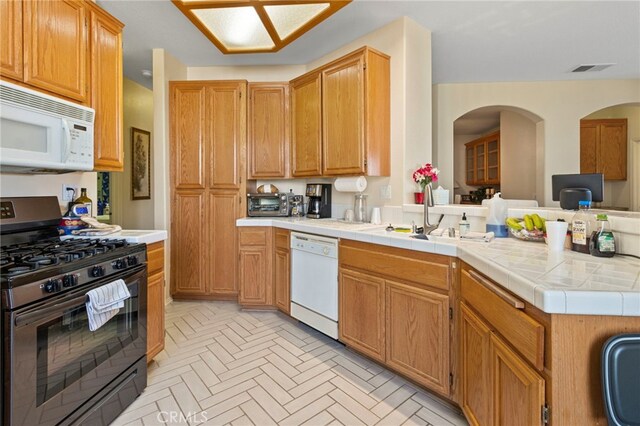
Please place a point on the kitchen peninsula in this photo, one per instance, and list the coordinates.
(506, 321)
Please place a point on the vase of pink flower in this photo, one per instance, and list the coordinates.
(424, 176)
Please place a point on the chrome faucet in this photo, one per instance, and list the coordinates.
(428, 202)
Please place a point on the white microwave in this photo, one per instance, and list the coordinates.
(43, 134)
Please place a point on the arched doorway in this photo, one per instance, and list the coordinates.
(519, 158)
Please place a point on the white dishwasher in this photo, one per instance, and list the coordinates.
(314, 282)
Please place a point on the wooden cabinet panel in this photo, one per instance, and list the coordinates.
(187, 110)
(343, 117)
(55, 30)
(603, 147)
(268, 130)
(155, 315)
(222, 244)
(106, 91)
(189, 244)
(518, 390)
(483, 160)
(417, 334)
(475, 338)
(11, 64)
(155, 257)
(306, 119)
(225, 123)
(255, 279)
(361, 312)
(282, 270)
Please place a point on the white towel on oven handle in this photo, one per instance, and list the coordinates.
(104, 302)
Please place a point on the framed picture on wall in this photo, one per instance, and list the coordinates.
(141, 164)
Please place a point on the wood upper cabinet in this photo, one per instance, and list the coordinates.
(475, 340)
(282, 270)
(106, 90)
(255, 281)
(482, 158)
(11, 63)
(208, 143)
(225, 133)
(56, 46)
(417, 334)
(155, 299)
(341, 117)
(361, 312)
(518, 389)
(268, 130)
(355, 115)
(603, 147)
(306, 126)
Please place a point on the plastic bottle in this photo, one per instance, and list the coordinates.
(84, 200)
(581, 227)
(464, 226)
(602, 243)
(496, 220)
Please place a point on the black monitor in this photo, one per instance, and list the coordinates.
(592, 181)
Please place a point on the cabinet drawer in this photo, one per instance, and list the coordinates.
(519, 329)
(421, 268)
(282, 239)
(253, 237)
(155, 257)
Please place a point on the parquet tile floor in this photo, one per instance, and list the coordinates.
(222, 365)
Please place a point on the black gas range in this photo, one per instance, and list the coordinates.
(55, 370)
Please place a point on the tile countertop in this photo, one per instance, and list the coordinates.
(131, 235)
(557, 283)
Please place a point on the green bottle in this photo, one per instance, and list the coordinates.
(602, 243)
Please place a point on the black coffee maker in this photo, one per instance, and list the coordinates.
(319, 195)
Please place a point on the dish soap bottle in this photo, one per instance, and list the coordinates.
(581, 228)
(83, 199)
(464, 225)
(497, 218)
(602, 243)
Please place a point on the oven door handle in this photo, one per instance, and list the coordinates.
(31, 317)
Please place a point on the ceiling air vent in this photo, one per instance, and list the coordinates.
(591, 67)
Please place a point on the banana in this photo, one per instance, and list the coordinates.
(537, 221)
(544, 225)
(514, 223)
(528, 222)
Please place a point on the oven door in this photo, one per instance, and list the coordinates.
(55, 363)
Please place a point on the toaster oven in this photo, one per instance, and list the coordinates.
(278, 204)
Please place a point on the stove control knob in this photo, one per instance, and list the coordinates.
(133, 260)
(53, 285)
(70, 280)
(97, 271)
(120, 263)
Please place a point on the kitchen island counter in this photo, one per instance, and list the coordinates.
(557, 283)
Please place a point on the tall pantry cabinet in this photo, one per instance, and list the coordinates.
(208, 137)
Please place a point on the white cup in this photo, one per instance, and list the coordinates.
(348, 215)
(375, 216)
(556, 234)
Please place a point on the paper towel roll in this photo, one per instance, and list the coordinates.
(350, 184)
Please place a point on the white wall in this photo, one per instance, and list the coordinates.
(138, 113)
(517, 156)
(619, 194)
(561, 104)
(18, 185)
(165, 69)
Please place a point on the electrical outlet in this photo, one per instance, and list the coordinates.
(69, 192)
(385, 192)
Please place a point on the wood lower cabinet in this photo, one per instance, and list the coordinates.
(155, 299)
(282, 270)
(603, 147)
(417, 334)
(255, 279)
(11, 48)
(268, 131)
(361, 312)
(208, 136)
(394, 307)
(106, 91)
